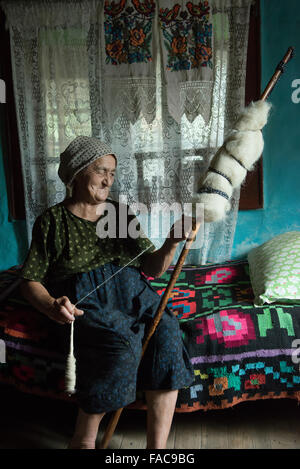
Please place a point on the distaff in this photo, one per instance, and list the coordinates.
(238, 154)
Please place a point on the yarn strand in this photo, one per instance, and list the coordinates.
(112, 275)
(70, 374)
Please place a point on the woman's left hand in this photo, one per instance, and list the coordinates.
(181, 229)
(157, 262)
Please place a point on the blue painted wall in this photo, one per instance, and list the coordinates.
(281, 160)
(13, 241)
(280, 28)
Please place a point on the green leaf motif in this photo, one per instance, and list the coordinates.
(167, 36)
(168, 47)
(147, 28)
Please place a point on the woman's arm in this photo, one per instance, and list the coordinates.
(37, 295)
(59, 309)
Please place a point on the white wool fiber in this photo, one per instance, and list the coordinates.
(70, 376)
(245, 144)
(254, 116)
(215, 206)
(230, 167)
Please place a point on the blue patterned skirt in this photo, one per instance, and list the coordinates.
(108, 339)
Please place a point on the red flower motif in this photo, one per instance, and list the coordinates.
(255, 381)
(231, 327)
(167, 15)
(145, 8)
(114, 50)
(179, 45)
(114, 9)
(202, 53)
(198, 10)
(23, 372)
(137, 37)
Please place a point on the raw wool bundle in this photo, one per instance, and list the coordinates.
(228, 168)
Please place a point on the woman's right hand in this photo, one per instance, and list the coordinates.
(63, 311)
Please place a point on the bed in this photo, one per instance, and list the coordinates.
(240, 352)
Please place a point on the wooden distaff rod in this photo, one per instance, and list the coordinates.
(162, 305)
(279, 70)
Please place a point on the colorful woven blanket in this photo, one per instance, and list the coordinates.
(239, 352)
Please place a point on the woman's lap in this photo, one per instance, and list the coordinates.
(108, 339)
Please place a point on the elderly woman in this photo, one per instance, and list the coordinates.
(66, 261)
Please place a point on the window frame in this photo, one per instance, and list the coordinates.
(252, 190)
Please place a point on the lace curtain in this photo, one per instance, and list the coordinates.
(161, 82)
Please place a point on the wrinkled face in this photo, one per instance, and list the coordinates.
(93, 183)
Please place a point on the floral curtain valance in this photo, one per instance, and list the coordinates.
(134, 32)
(187, 55)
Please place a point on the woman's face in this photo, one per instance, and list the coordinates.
(93, 183)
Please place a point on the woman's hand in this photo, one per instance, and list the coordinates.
(63, 311)
(180, 230)
(157, 262)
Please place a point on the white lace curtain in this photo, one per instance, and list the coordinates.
(160, 81)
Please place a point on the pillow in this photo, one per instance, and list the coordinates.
(274, 269)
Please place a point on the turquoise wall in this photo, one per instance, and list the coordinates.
(281, 159)
(280, 28)
(13, 241)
